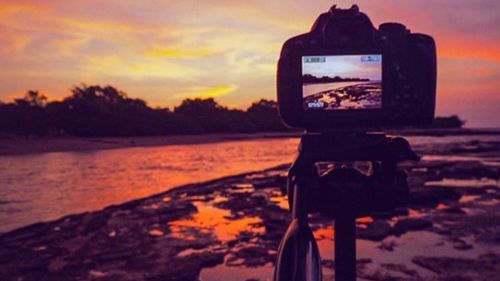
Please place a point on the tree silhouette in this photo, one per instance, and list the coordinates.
(32, 98)
(106, 111)
(211, 117)
(96, 111)
(26, 115)
(264, 115)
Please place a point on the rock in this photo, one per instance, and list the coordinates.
(411, 224)
(388, 245)
(328, 263)
(475, 146)
(251, 256)
(462, 246)
(364, 261)
(481, 269)
(200, 190)
(432, 195)
(273, 181)
(453, 210)
(400, 268)
(245, 202)
(376, 231)
(380, 274)
(186, 268)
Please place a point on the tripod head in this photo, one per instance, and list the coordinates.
(342, 188)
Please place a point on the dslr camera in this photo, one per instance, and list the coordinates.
(347, 75)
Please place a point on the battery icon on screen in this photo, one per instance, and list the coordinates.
(314, 59)
(369, 58)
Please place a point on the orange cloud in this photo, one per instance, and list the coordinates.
(207, 92)
(455, 49)
(179, 53)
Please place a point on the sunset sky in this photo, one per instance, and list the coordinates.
(165, 51)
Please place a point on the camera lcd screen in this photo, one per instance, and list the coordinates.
(342, 82)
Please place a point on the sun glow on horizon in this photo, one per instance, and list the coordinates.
(207, 92)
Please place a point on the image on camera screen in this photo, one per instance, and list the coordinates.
(342, 82)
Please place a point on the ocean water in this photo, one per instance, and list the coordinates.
(42, 187)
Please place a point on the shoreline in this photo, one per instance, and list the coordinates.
(223, 227)
(15, 145)
(12, 146)
(176, 189)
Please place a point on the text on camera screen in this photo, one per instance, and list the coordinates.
(342, 82)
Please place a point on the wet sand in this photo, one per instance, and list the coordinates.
(230, 228)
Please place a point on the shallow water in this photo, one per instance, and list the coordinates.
(482, 182)
(209, 219)
(371, 255)
(241, 219)
(43, 187)
(47, 186)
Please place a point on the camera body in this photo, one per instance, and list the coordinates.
(347, 75)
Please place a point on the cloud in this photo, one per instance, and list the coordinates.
(162, 49)
(137, 68)
(179, 53)
(207, 92)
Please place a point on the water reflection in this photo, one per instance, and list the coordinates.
(487, 161)
(211, 220)
(482, 182)
(46, 186)
(240, 219)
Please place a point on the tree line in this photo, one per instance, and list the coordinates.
(96, 111)
(92, 111)
(308, 78)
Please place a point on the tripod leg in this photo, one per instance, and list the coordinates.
(298, 255)
(345, 248)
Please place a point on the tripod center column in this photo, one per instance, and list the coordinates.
(345, 248)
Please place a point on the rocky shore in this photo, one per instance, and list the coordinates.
(230, 228)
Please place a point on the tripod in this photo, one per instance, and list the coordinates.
(341, 193)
